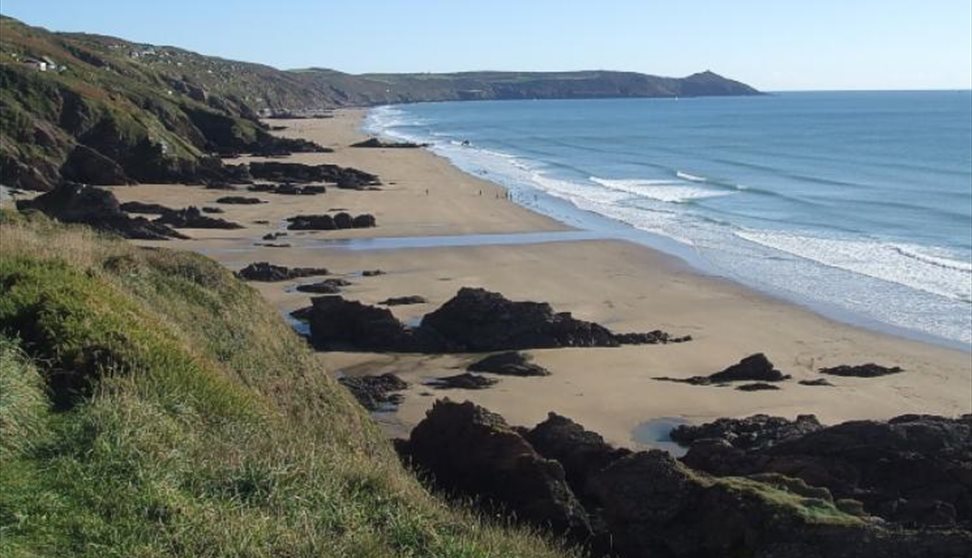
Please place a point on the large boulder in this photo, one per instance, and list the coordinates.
(477, 320)
(336, 323)
(77, 203)
(471, 451)
(268, 272)
(915, 470)
(581, 452)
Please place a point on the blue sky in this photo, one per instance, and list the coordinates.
(771, 44)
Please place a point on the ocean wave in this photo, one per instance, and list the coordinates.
(662, 190)
(690, 177)
(909, 265)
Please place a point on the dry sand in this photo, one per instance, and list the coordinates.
(624, 286)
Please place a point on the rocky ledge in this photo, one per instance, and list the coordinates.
(377, 143)
(564, 479)
(915, 470)
(510, 363)
(754, 368)
(376, 393)
(267, 272)
(342, 220)
(475, 320)
(342, 177)
(77, 203)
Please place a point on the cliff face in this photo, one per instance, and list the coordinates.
(103, 110)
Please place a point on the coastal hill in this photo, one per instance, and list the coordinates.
(104, 110)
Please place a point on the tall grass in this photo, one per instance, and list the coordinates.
(196, 423)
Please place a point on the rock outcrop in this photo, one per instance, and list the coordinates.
(377, 143)
(475, 320)
(97, 208)
(327, 286)
(754, 368)
(915, 470)
(326, 222)
(869, 370)
(462, 381)
(471, 451)
(376, 393)
(755, 432)
(630, 505)
(239, 200)
(403, 300)
(342, 177)
(192, 218)
(267, 272)
(510, 363)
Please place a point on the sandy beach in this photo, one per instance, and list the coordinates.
(626, 287)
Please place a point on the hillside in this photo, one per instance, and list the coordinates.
(103, 110)
(151, 404)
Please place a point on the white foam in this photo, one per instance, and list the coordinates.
(662, 190)
(690, 177)
(909, 265)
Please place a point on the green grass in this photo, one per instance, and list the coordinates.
(203, 426)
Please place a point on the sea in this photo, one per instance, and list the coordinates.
(855, 204)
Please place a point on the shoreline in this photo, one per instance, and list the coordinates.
(535, 197)
(625, 286)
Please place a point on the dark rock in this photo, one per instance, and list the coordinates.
(757, 386)
(311, 223)
(327, 222)
(915, 470)
(581, 452)
(267, 272)
(364, 221)
(474, 320)
(654, 506)
(97, 208)
(327, 286)
(298, 172)
(273, 244)
(288, 189)
(869, 370)
(755, 432)
(655, 337)
(510, 363)
(209, 209)
(372, 273)
(754, 368)
(471, 451)
(403, 300)
(88, 166)
(148, 208)
(192, 218)
(239, 200)
(377, 143)
(273, 235)
(375, 393)
(343, 220)
(816, 382)
(477, 320)
(336, 323)
(462, 381)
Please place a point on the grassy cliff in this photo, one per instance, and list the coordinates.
(153, 405)
(109, 111)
